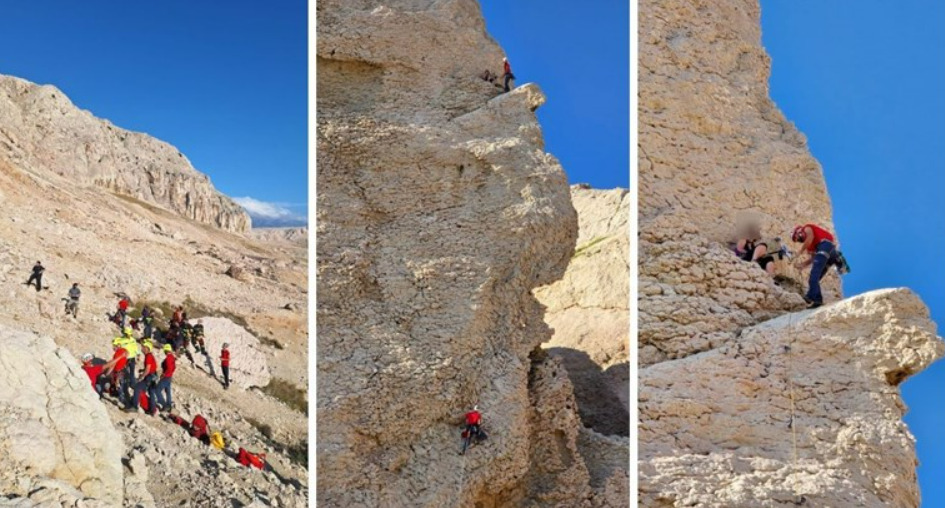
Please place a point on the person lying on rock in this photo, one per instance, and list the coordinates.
(821, 253)
(37, 276)
(755, 248)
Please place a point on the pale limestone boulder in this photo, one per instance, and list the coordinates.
(52, 424)
(715, 427)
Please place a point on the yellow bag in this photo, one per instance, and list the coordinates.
(216, 439)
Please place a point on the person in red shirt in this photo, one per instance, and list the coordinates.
(146, 383)
(225, 365)
(95, 373)
(507, 73)
(116, 368)
(473, 428)
(821, 251)
(123, 312)
(162, 393)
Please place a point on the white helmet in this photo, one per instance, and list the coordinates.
(87, 357)
(476, 407)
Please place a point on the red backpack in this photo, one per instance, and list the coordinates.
(251, 459)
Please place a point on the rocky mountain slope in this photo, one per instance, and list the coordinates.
(112, 243)
(589, 310)
(743, 400)
(41, 131)
(439, 212)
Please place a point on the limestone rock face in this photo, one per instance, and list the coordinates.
(713, 148)
(55, 435)
(287, 235)
(716, 427)
(731, 374)
(439, 212)
(42, 130)
(589, 310)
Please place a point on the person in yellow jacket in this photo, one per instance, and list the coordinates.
(130, 345)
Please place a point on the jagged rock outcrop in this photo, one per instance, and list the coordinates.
(438, 213)
(589, 310)
(41, 130)
(55, 436)
(716, 427)
(730, 373)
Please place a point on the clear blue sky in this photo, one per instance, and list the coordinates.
(578, 53)
(865, 81)
(225, 82)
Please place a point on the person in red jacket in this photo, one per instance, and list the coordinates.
(146, 383)
(507, 73)
(473, 428)
(95, 373)
(225, 365)
(116, 368)
(162, 393)
(821, 251)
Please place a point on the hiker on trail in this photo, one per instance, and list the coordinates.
(473, 428)
(821, 252)
(72, 305)
(225, 365)
(95, 373)
(37, 275)
(115, 368)
(507, 73)
(163, 390)
(146, 383)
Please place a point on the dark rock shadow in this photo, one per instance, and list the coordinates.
(596, 391)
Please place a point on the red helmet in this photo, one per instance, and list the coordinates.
(798, 234)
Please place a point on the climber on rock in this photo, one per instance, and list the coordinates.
(507, 74)
(198, 336)
(146, 383)
(822, 253)
(473, 429)
(163, 389)
(37, 276)
(225, 365)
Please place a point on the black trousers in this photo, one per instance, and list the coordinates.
(38, 277)
(226, 375)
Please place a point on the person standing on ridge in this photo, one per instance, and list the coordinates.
(507, 73)
(821, 252)
(73, 305)
(162, 393)
(225, 365)
(37, 275)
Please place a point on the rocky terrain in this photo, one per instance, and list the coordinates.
(439, 213)
(744, 400)
(589, 310)
(128, 237)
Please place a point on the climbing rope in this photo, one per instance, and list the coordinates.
(798, 499)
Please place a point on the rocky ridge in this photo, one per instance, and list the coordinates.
(41, 131)
(439, 212)
(731, 375)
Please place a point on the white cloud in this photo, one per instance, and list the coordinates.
(270, 214)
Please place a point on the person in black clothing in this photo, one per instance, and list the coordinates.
(37, 275)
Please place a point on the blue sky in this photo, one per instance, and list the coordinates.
(578, 53)
(865, 82)
(224, 82)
